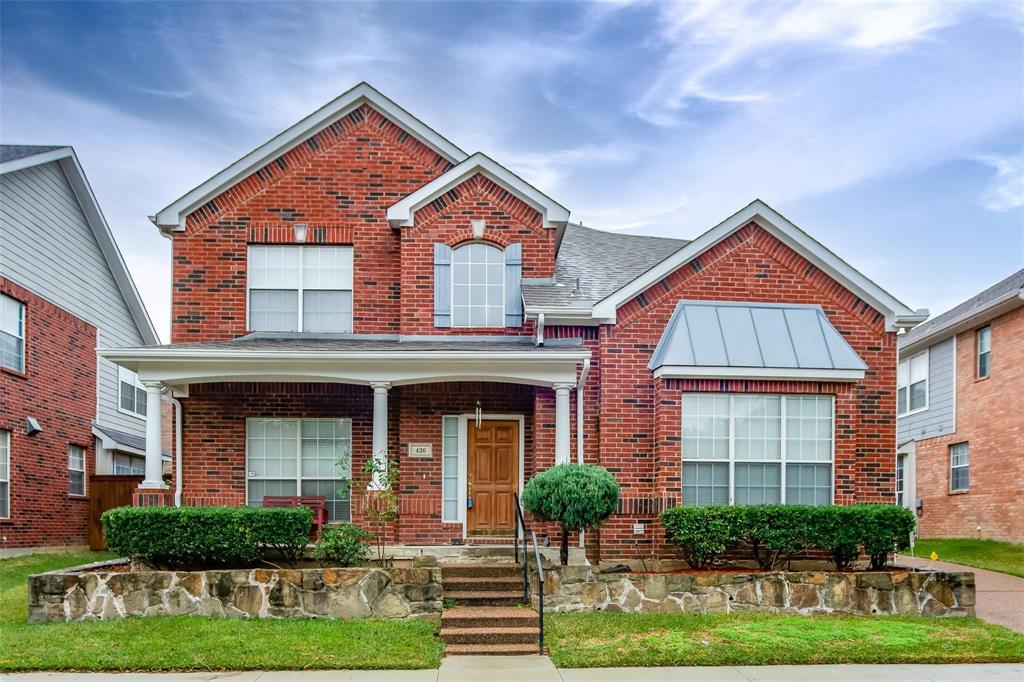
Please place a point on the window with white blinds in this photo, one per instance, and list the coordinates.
(300, 288)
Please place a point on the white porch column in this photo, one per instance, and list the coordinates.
(380, 430)
(562, 423)
(154, 452)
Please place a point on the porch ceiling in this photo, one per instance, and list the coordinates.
(354, 359)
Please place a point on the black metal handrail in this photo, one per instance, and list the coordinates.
(521, 526)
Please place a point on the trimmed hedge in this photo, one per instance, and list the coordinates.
(179, 537)
(777, 532)
(345, 545)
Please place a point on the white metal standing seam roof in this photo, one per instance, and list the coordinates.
(753, 335)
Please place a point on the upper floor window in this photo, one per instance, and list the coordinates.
(300, 288)
(131, 394)
(912, 384)
(478, 285)
(757, 449)
(959, 467)
(12, 333)
(984, 346)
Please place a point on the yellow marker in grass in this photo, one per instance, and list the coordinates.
(935, 555)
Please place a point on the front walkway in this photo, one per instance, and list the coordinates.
(1000, 597)
(540, 669)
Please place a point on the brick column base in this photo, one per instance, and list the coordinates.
(151, 498)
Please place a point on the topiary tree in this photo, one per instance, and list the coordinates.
(575, 495)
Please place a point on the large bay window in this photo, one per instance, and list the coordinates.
(757, 449)
(300, 457)
(912, 384)
(300, 288)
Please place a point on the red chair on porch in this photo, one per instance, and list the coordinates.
(317, 503)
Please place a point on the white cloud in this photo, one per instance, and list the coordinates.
(1006, 189)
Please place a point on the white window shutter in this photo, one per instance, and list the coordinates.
(513, 282)
(442, 285)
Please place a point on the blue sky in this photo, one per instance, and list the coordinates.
(892, 133)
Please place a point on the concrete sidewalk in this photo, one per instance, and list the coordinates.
(540, 669)
(1000, 597)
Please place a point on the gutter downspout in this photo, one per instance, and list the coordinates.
(177, 447)
(539, 340)
(579, 420)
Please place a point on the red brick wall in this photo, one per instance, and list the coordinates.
(340, 183)
(640, 418)
(58, 388)
(990, 419)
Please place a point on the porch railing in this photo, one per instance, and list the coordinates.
(520, 533)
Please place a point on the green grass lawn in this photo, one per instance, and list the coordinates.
(1005, 557)
(196, 643)
(588, 640)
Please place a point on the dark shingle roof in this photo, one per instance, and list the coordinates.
(969, 307)
(13, 152)
(128, 440)
(603, 261)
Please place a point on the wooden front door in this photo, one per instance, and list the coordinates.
(107, 492)
(493, 476)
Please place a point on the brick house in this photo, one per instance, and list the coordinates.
(64, 290)
(960, 424)
(360, 285)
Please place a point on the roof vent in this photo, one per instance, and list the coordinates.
(576, 293)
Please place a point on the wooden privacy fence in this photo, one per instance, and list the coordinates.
(107, 492)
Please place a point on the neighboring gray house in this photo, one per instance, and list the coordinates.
(55, 243)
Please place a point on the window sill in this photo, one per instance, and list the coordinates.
(984, 378)
(14, 373)
(131, 414)
(912, 412)
(958, 492)
(72, 496)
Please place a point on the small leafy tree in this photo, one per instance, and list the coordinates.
(345, 545)
(575, 495)
(381, 500)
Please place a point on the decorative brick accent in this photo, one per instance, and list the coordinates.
(58, 388)
(990, 419)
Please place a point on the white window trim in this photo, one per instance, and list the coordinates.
(782, 461)
(451, 287)
(977, 352)
(24, 344)
(6, 436)
(83, 470)
(967, 466)
(298, 459)
(299, 290)
(129, 377)
(927, 384)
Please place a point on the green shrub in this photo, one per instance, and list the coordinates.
(179, 537)
(347, 545)
(885, 528)
(702, 533)
(777, 532)
(575, 495)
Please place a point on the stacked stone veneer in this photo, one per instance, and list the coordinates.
(100, 594)
(931, 593)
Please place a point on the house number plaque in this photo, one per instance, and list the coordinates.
(421, 450)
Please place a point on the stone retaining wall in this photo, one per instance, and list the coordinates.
(101, 594)
(930, 593)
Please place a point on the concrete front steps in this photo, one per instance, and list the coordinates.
(489, 618)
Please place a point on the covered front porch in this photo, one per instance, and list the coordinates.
(467, 422)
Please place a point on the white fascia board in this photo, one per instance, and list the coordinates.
(72, 169)
(582, 317)
(1000, 306)
(125, 355)
(403, 213)
(173, 216)
(897, 313)
(758, 373)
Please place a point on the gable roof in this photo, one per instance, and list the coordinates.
(601, 261)
(755, 341)
(998, 299)
(173, 216)
(18, 157)
(553, 213)
(897, 313)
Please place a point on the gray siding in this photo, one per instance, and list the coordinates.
(47, 246)
(940, 417)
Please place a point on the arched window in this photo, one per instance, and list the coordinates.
(478, 286)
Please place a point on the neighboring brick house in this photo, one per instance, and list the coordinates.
(360, 285)
(65, 414)
(961, 417)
